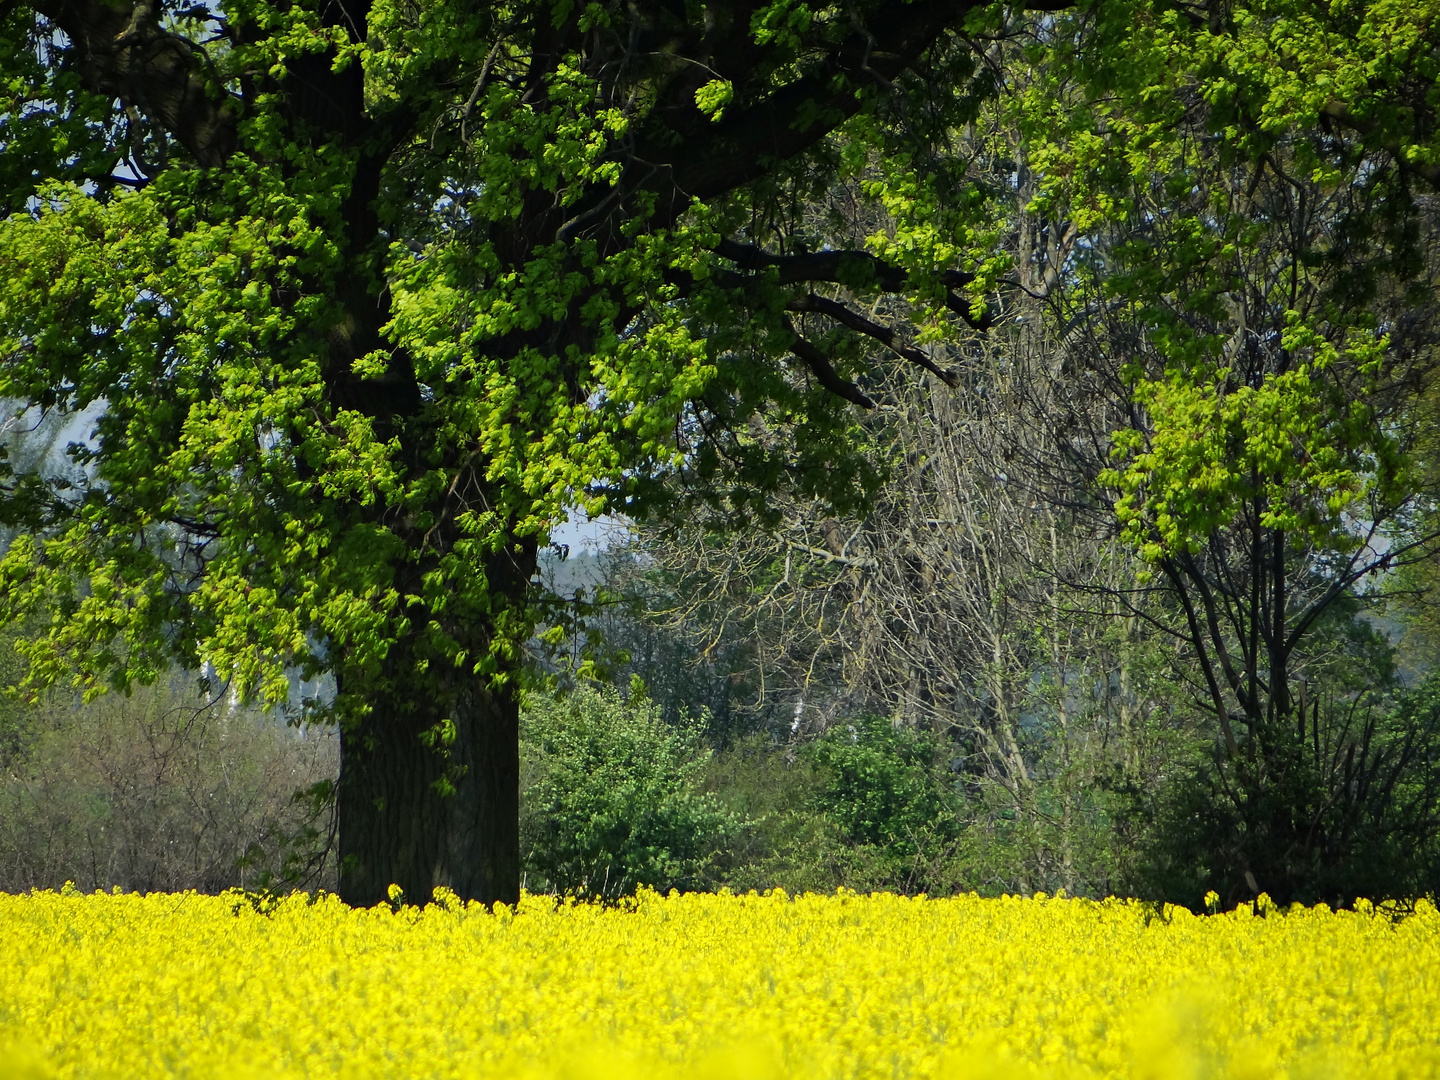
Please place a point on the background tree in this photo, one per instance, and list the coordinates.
(948, 607)
(1266, 364)
(1216, 348)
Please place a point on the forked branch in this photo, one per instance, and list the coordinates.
(824, 371)
(861, 325)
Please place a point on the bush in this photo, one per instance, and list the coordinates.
(1342, 803)
(867, 806)
(612, 798)
(787, 841)
(159, 790)
(889, 790)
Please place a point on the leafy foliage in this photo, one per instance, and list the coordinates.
(613, 801)
(892, 789)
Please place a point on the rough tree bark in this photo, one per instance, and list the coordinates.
(416, 818)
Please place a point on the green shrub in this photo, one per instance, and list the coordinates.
(865, 806)
(1344, 802)
(612, 798)
(787, 841)
(888, 789)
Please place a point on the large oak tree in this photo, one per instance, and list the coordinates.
(370, 292)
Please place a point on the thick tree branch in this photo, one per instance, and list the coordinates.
(836, 266)
(883, 334)
(711, 160)
(1339, 112)
(846, 267)
(125, 52)
(825, 373)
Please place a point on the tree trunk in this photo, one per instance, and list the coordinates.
(418, 813)
(429, 790)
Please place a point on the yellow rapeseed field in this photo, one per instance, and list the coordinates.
(711, 986)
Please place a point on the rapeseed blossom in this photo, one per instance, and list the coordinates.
(841, 986)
